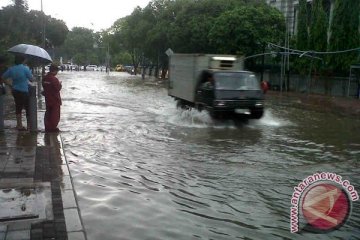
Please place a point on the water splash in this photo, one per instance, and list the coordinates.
(270, 120)
(195, 119)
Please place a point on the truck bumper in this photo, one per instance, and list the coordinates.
(232, 105)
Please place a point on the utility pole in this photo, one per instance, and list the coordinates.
(262, 62)
(43, 32)
(108, 59)
(43, 45)
(43, 36)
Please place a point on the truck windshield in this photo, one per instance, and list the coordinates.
(236, 81)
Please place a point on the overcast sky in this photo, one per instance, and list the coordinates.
(91, 14)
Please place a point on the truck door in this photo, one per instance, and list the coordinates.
(205, 94)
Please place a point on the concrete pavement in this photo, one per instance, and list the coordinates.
(37, 198)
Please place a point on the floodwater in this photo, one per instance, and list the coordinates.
(143, 169)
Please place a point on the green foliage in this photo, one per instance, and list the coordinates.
(189, 26)
(192, 23)
(123, 58)
(79, 46)
(56, 31)
(302, 37)
(133, 33)
(18, 25)
(319, 27)
(13, 22)
(318, 31)
(246, 29)
(344, 34)
(21, 4)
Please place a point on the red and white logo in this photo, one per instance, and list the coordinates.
(325, 207)
(321, 203)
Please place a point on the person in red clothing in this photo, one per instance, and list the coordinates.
(52, 87)
(264, 86)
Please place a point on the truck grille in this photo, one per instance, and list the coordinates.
(238, 103)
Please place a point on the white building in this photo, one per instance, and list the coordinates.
(290, 9)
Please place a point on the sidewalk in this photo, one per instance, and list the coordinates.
(338, 105)
(37, 197)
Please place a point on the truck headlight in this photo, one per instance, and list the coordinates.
(220, 104)
(259, 104)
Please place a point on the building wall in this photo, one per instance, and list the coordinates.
(290, 9)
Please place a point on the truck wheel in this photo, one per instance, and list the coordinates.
(256, 113)
(181, 104)
(214, 115)
(199, 107)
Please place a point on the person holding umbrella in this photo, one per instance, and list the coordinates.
(20, 76)
(52, 87)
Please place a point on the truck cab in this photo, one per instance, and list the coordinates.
(216, 83)
(229, 92)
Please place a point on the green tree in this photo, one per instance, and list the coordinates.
(116, 36)
(318, 31)
(344, 34)
(79, 46)
(20, 26)
(14, 23)
(193, 21)
(134, 34)
(189, 26)
(302, 36)
(161, 13)
(56, 31)
(21, 4)
(246, 29)
(319, 27)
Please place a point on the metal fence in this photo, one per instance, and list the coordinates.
(333, 86)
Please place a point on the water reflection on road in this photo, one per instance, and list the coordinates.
(144, 170)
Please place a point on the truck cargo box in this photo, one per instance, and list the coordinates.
(184, 71)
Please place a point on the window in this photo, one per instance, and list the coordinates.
(236, 81)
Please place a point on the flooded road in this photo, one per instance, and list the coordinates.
(144, 170)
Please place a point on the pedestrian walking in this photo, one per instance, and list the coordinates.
(52, 87)
(20, 76)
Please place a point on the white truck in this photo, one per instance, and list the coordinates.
(216, 83)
